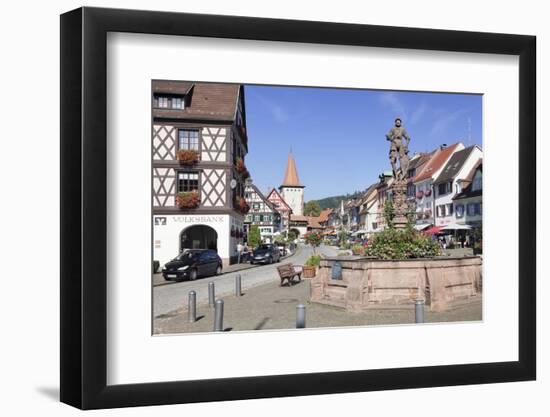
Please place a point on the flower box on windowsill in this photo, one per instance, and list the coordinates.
(188, 200)
(187, 156)
(241, 205)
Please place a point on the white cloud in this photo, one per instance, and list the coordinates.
(442, 124)
(277, 112)
(418, 113)
(392, 101)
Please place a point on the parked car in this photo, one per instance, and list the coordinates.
(266, 254)
(192, 264)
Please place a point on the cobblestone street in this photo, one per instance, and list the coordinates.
(270, 306)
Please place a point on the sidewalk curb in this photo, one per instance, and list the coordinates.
(248, 266)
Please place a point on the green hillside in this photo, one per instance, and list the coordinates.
(334, 202)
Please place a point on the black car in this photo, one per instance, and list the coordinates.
(265, 254)
(191, 264)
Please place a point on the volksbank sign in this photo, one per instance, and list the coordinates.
(198, 219)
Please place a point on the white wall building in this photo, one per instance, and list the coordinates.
(423, 183)
(449, 182)
(195, 201)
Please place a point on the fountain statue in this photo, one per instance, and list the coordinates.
(399, 152)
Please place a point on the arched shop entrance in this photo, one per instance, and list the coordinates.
(198, 237)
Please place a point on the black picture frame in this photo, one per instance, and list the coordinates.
(84, 207)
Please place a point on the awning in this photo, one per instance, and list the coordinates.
(455, 226)
(421, 226)
(433, 230)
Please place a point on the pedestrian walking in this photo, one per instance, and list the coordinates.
(239, 252)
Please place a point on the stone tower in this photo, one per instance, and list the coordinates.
(291, 189)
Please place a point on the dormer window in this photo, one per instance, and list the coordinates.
(169, 101)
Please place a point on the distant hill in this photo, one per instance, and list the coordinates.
(334, 202)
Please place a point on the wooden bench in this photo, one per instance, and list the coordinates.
(288, 272)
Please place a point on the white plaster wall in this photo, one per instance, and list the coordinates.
(294, 197)
(166, 237)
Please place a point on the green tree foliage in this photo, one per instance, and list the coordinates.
(401, 244)
(254, 237)
(334, 201)
(312, 208)
(389, 213)
(292, 235)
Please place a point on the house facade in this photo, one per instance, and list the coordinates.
(199, 144)
(423, 183)
(282, 208)
(261, 213)
(368, 211)
(468, 203)
(449, 183)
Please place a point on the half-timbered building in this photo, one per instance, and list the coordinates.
(262, 213)
(281, 206)
(199, 143)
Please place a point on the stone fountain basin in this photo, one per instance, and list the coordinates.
(371, 283)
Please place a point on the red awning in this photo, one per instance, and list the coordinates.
(433, 230)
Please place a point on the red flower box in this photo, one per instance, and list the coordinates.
(188, 200)
(187, 156)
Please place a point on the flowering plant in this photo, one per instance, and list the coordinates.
(401, 244)
(187, 156)
(241, 205)
(188, 199)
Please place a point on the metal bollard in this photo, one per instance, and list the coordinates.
(218, 316)
(192, 307)
(419, 311)
(238, 291)
(300, 316)
(211, 294)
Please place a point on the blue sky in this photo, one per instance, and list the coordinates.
(337, 136)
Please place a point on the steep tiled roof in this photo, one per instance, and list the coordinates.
(454, 165)
(323, 216)
(298, 218)
(205, 101)
(291, 173)
(435, 163)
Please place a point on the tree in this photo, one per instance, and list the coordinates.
(312, 209)
(254, 237)
(314, 239)
(292, 235)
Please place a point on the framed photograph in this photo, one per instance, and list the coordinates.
(258, 208)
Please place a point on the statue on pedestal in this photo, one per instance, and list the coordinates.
(399, 149)
(399, 152)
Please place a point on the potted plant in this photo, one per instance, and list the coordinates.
(419, 194)
(310, 267)
(428, 192)
(188, 199)
(187, 156)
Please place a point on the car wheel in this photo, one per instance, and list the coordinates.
(193, 275)
(219, 270)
